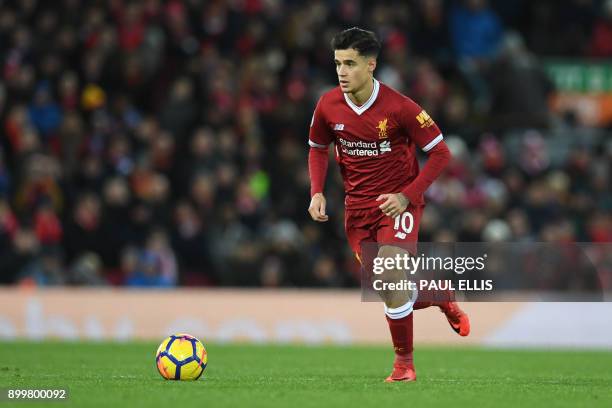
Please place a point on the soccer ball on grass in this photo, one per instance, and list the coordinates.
(181, 357)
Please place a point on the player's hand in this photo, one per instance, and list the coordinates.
(394, 204)
(317, 208)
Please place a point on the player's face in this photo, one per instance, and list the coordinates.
(354, 70)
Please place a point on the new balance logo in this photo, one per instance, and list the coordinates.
(400, 235)
(385, 146)
(339, 126)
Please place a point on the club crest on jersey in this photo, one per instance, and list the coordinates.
(424, 119)
(382, 129)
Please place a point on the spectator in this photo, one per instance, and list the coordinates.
(44, 113)
(520, 89)
(476, 33)
(601, 39)
(84, 231)
(87, 270)
(44, 270)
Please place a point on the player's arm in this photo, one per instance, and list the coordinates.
(427, 136)
(319, 139)
(438, 158)
(317, 168)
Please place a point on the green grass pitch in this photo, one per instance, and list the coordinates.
(124, 375)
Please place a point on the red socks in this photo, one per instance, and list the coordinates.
(422, 305)
(402, 336)
(434, 298)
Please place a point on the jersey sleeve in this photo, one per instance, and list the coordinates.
(420, 126)
(320, 135)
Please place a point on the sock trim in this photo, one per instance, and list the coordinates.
(399, 312)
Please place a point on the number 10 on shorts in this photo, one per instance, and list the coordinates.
(403, 225)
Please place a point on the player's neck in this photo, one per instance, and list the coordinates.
(363, 94)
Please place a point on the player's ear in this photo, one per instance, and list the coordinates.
(371, 64)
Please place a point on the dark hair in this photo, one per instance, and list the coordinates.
(365, 42)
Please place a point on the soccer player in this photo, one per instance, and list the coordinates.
(375, 131)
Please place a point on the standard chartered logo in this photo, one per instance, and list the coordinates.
(361, 148)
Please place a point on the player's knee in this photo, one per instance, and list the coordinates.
(391, 252)
(391, 277)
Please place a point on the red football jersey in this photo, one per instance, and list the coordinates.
(375, 143)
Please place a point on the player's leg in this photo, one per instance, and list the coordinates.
(457, 318)
(404, 229)
(399, 316)
(398, 237)
(360, 226)
(445, 300)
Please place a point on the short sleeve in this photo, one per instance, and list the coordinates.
(320, 134)
(420, 126)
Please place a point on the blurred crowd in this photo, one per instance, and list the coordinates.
(160, 143)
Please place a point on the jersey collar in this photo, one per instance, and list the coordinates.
(360, 109)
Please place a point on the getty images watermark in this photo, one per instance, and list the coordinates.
(501, 271)
(410, 265)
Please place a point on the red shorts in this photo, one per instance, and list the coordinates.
(372, 225)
